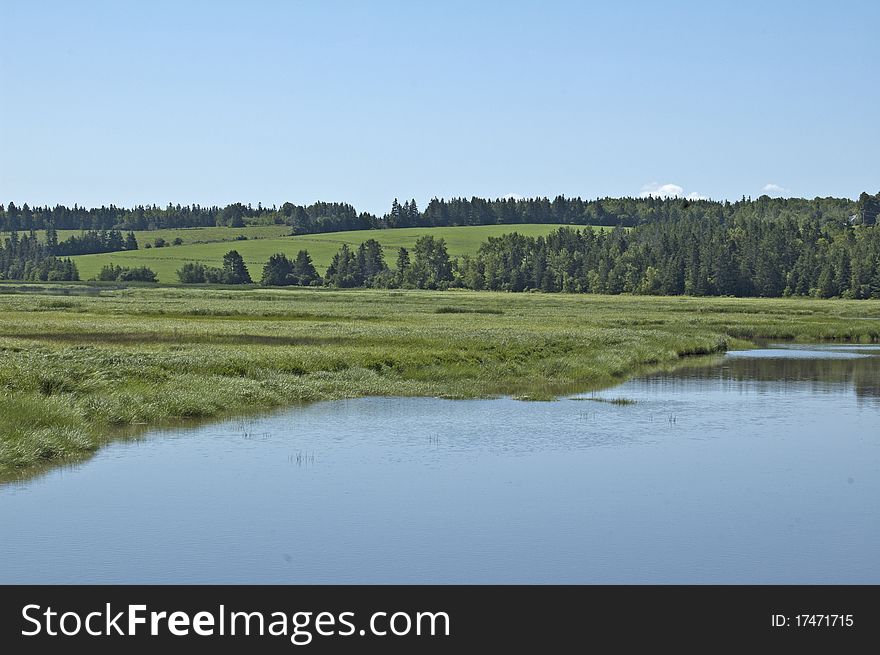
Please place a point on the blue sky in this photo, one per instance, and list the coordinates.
(216, 102)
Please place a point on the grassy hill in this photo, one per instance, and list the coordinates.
(322, 247)
(188, 234)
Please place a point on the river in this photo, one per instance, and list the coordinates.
(760, 466)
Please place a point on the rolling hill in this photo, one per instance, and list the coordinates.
(322, 247)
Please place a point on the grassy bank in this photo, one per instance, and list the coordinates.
(322, 247)
(73, 367)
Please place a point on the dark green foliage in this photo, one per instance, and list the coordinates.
(403, 264)
(232, 215)
(371, 263)
(706, 257)
(343, 271)
(868, 209)
(194, 273)
(233, 271)
(430, 267)
(93, 241)
(364, 267)
(325, 217)
(304, 273)
(280, 271)
(25, 258)
(111, 273)
(750, 257)
(198, 273)
(335, 217)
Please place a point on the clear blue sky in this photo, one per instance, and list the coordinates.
(215, 102)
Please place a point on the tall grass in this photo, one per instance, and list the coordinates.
(76, 367)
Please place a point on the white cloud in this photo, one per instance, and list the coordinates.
(669, 191)
(771, 189)
(512, 196)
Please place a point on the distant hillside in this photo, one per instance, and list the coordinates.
(165, 261)
(321, 217)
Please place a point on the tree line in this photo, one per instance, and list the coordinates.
(339, 216)
(90, 242)
(27, 258)
(750, 257)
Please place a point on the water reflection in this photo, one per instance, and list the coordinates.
(754, 467)
(821, 369)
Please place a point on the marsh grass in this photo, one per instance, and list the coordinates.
(611, 401)
(77, 369)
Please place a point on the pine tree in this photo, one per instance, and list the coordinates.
(234, 269)
(304, 272)
(51, 237)
(277, 271)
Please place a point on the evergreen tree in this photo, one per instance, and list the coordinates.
(277, 271)
(343, 271)
(403, 265)
(51, 237)
(234, 269)
(304, 273)
(430, 268)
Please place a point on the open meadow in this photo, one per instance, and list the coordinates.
(260, 246)
(188, 235)
(79, 363)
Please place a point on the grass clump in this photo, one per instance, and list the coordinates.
(612, 401)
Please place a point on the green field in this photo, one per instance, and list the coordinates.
(188, 234)
(81, 363)
(322, 247)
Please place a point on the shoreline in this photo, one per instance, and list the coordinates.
(78, 373)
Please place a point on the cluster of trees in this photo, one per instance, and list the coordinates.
(747, 258)
(334, 216)
(160, 242)
(428, 266)
(317, 217)
(233, 271)
(279, 271)
(765, 247)
(325, 217)
(868, 209)
(364, 267)
(26, 258)
(90, 242)
(150, 217)
(111, 273)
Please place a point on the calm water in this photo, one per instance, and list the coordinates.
(758, 467)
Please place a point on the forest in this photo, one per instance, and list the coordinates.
(684, 257)
(336, 217)
(766, 248)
